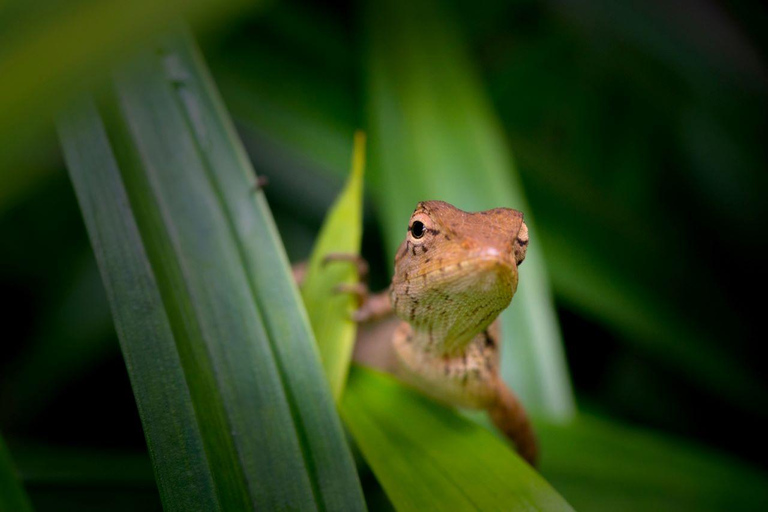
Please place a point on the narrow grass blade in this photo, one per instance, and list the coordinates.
(12, 494)
(194, 269)
(144, 330)
(427, 457)
(434, 136)
(326, 454)
(330, 311)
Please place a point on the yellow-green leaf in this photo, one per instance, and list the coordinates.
(330, 311)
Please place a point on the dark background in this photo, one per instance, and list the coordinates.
(639, 136)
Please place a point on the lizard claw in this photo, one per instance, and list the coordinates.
(359, 290)
(370, 307)
(361, 265)
(374, 307)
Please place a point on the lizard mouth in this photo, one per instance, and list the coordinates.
(471, 265)
(483, 275)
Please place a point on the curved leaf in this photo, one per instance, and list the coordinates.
(427, 457)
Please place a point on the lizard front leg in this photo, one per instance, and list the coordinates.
(372, 307)
(374, 316)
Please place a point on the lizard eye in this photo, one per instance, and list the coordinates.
(417, 229)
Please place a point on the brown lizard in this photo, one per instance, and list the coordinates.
(454, 273)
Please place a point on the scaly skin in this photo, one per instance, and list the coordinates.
(454, 273)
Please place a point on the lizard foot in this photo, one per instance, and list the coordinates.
(359, 290)
(299, 270)
(361, 265)
(370, 307)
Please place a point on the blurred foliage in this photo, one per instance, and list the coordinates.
(12, 494)
(637, 131)
(632, 235)
(78, 478)
(44, 50)
(599, 465)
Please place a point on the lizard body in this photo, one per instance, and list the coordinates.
(454, 273)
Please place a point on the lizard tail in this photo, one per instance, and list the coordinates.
(509, 416)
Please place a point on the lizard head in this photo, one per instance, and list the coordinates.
(456, 271)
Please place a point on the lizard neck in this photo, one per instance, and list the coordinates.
(440, 341)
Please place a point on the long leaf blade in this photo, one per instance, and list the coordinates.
(146, 337)
(267, 423)
(326, 453)
(435, 137)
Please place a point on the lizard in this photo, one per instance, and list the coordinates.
(455, 272)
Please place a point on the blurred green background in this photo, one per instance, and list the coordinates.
(638, 133)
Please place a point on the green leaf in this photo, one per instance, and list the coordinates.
(330, 311)
(427, 457)
(229, 386)
(435, 136)
(145, 332)
(12, 494)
